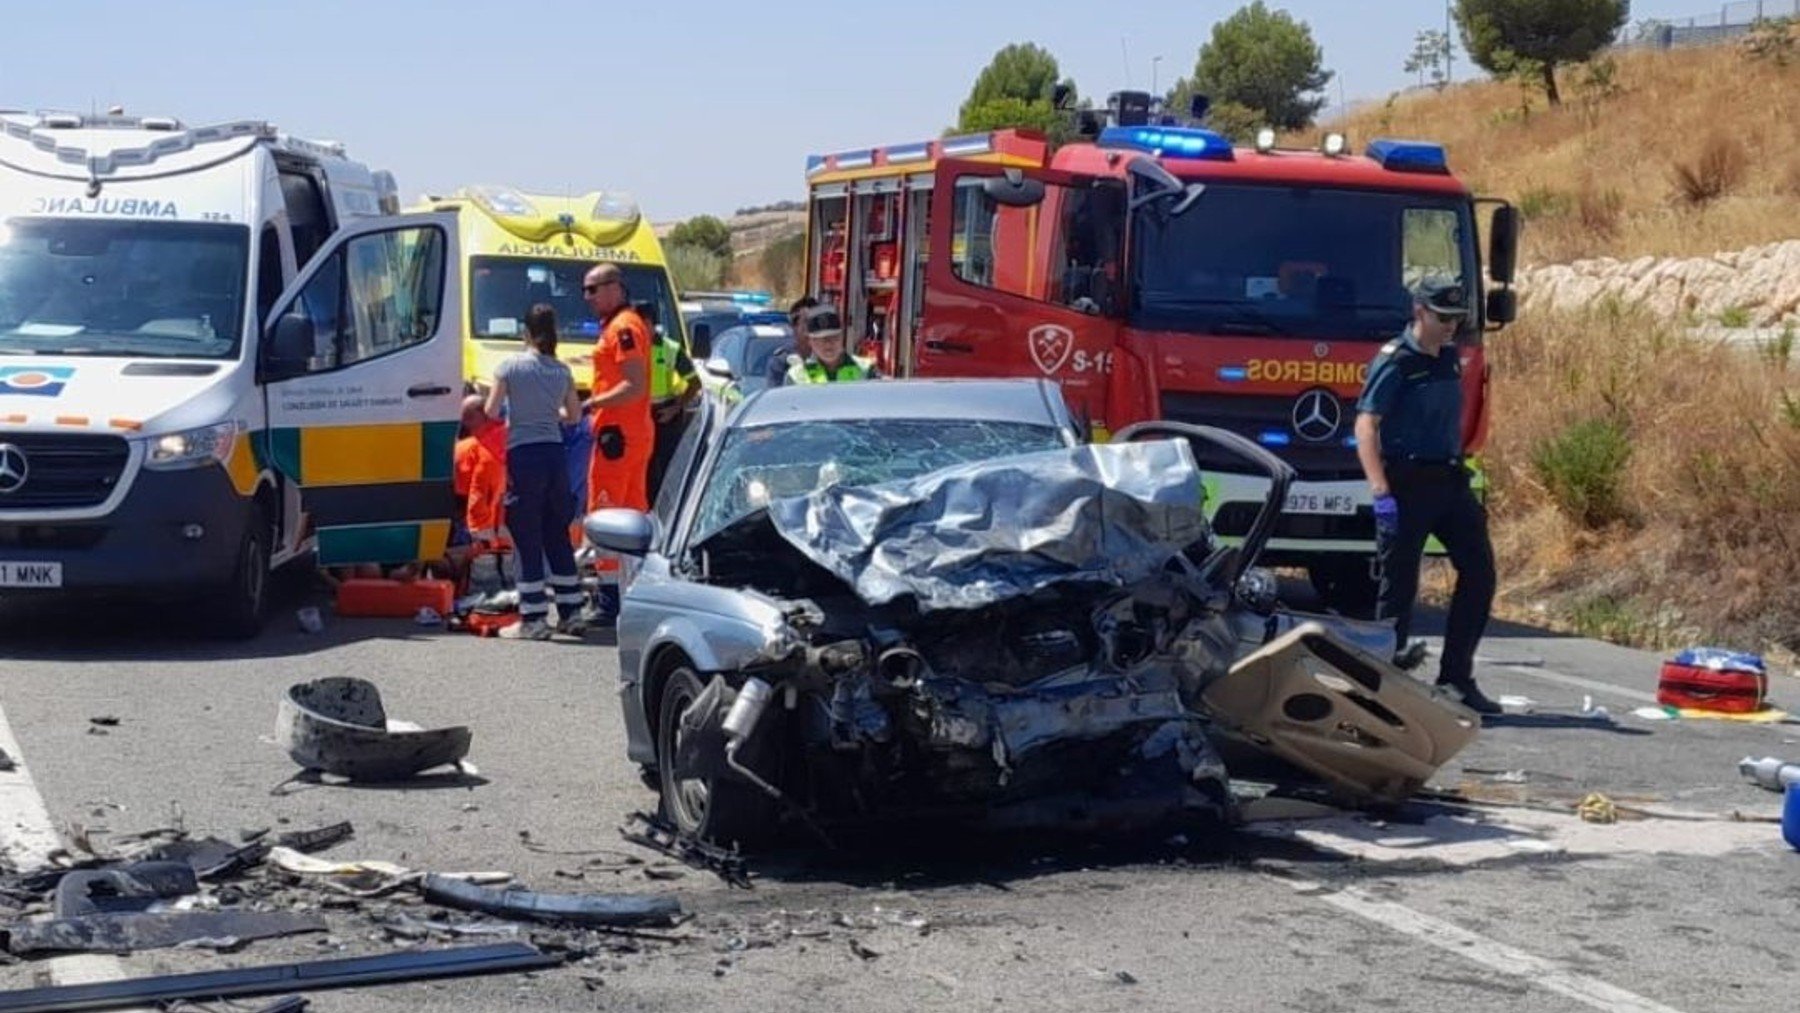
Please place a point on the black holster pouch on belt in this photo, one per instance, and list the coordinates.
(611, 441)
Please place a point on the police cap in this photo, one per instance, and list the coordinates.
(1442, 294)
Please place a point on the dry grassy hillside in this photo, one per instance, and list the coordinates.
(1646, 484)
(1684, 153)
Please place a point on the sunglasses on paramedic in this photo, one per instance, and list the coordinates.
(590, 289)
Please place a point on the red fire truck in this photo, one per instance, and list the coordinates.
(1159, 272)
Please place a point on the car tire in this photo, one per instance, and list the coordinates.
(243, 603)
(711, 807)
(1346, 585)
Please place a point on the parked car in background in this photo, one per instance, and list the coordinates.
(739, 364)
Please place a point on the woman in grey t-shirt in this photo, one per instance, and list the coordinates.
(539, 394)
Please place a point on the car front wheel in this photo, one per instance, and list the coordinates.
(703, 803)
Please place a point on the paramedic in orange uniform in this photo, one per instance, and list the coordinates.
(481, 472)
(624, 432)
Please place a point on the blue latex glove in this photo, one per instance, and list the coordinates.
(1387, 516)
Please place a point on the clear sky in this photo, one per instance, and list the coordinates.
(692, 105)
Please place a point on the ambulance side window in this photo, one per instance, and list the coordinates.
(395, 281)
(380, 293)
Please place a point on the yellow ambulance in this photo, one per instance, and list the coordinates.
(521, 249)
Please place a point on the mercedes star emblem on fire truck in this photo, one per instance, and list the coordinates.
(1317, 415)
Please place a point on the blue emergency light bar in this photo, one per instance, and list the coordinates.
(1408, 156)
(1169, 142)
(753, 298)
(1273, 438)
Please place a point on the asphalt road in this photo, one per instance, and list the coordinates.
(1506, 908)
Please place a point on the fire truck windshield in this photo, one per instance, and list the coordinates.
(1293, 261)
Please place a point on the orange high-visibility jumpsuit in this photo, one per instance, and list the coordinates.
(624, 434)
(481, 478)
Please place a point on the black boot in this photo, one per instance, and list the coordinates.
(1473, 698)
(1411, 656)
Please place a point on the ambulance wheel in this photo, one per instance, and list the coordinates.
(243, 604)
(1346, 586)
(707, 804)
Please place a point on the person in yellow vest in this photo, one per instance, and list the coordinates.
(674, 387)
(829, 362)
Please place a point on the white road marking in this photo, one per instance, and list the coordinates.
(1468, 839)
(1578, 682)
(1492, 954)
(27, 838)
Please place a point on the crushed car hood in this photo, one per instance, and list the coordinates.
(976, 534)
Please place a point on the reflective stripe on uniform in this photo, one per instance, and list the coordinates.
(813, 371)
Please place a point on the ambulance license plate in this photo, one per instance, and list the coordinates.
(30, 574)
(1303, 502)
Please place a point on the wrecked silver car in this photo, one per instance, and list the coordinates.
(932, 598)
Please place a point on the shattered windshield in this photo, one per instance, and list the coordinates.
(126, 288)
(1295, 261)
(757, 464)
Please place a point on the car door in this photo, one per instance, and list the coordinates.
(361, 368)
(1323, 705)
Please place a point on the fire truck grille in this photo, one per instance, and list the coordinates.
(65, 470)
(1251, 416)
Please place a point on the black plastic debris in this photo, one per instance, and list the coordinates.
(658, 834)
(338, 725)
(597, 909)
(211, 858)
(130, 932)
(270, 979)
(309, 841)
(126, 888)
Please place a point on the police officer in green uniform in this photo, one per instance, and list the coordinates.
(674, 386)
(1409, 442)
(828, 362)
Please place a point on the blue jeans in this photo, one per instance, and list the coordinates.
(539, 509)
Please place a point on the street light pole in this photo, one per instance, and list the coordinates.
(1154, 62)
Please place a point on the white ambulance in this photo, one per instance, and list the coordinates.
(221, 348)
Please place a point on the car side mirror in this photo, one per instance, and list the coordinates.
(700, 338)
(290, 347)
(719, 367)
(1014, 189)
(1503, 244)
(625, 531)
(1502, 306)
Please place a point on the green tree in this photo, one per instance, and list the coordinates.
(696, 268)
(1261, 60)
(1430, 55)
(782, 266)
(1016, 89)
(1520, 38)
(1000, 113)
(704, 232)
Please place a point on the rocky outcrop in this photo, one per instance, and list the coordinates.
(1760, 284)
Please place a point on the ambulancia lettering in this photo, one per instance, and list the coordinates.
(129, 207)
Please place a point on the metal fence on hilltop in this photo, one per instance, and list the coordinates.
(1728, 22)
